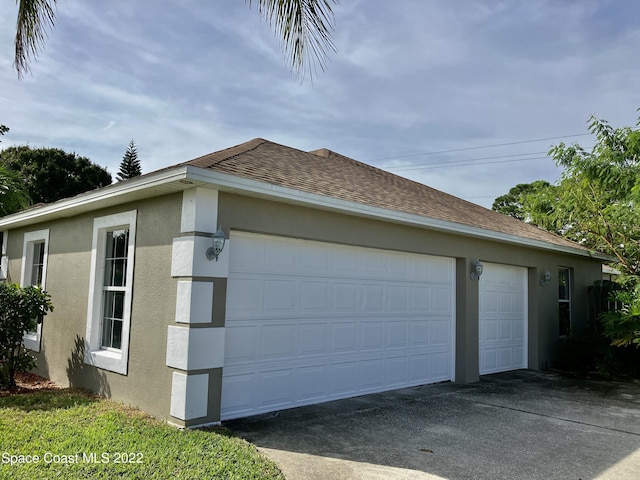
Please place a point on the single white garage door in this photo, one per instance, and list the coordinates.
(308, 322)
(503, 318)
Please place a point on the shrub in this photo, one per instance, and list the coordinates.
(21, 310)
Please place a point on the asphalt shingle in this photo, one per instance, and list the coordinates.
(325, 172)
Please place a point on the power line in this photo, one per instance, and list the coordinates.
(485, 163)
(417, 166)
(479, 147)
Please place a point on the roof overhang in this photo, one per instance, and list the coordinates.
(185, 177)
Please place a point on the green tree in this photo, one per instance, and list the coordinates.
(303, 27)
(51, 174)
(13, 192)
(21, 309)
(598, 201)
(130, 165)
(518, 202)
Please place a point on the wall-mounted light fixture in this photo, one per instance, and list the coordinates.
(545, 279)
(476, 271)
(217, 245)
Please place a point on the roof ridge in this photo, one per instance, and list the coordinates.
(226, 153)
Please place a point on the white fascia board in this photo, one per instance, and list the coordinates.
(188, 176)
(262, 189)
(141, 187)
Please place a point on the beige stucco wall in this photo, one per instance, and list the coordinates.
(148, 382)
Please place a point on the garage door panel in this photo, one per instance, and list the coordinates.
(278, 341)
(326, 321)
(397, 298)
(440, 366)
(396, 335)
(346, 297)
(344, 338)
(276, 387)
(312, 383)
(440, 300)
(503, 318)
(419, 333)
(397, 371)
(343, 378)
(372, 336)
(372, 298)
(246, 340)
(440, 331)
(419, 368)
(313, 339)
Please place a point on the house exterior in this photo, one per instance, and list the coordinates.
(336, 279)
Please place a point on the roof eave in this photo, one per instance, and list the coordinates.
(145, 186)
(266, 190)
(188, 176)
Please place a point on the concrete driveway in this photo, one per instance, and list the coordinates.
(516, 425)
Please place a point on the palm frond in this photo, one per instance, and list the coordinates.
(34, 16)
(304, 28)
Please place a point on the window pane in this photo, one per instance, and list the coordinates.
(117, 335)
(563, 284)
(112, 319)
(117, 245)
(564, 316)
(106, 333)
(37, 263)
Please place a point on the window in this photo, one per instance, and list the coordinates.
(3, 256)
(34, 266)
(564, 301)
(110, 291)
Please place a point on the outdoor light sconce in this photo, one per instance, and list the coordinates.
(216, 247)
(545, 279)
(476, 272)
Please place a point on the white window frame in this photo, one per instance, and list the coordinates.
(95, 354)
(566, 301)
(4, 260)
(31, 340)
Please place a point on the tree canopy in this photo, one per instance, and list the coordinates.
(130, 165)
(13, 192)
(597, 200)
(50, 174)
(303, 26)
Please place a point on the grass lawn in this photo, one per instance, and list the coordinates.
(71, 434)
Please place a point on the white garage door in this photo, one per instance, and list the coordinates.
(503, 318)
(308, 322)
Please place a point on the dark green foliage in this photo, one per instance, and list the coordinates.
(521, 200)
(21, 309)
(51, 174)
(596, 202)
(130, 165)
(622, 324)
(13, 192)
(3, 129)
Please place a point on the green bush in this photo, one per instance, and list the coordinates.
(21, 310)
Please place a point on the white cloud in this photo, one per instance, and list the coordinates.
(409, 77)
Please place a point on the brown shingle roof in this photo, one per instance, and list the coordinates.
(328, 173)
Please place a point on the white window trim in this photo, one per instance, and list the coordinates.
(94, 354)
(32, 339)
(568, 300)
(4, 260)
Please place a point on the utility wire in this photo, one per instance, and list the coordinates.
(417, 166)
(484, 163)
(479, 147)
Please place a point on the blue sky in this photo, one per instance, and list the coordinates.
(185, 78)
